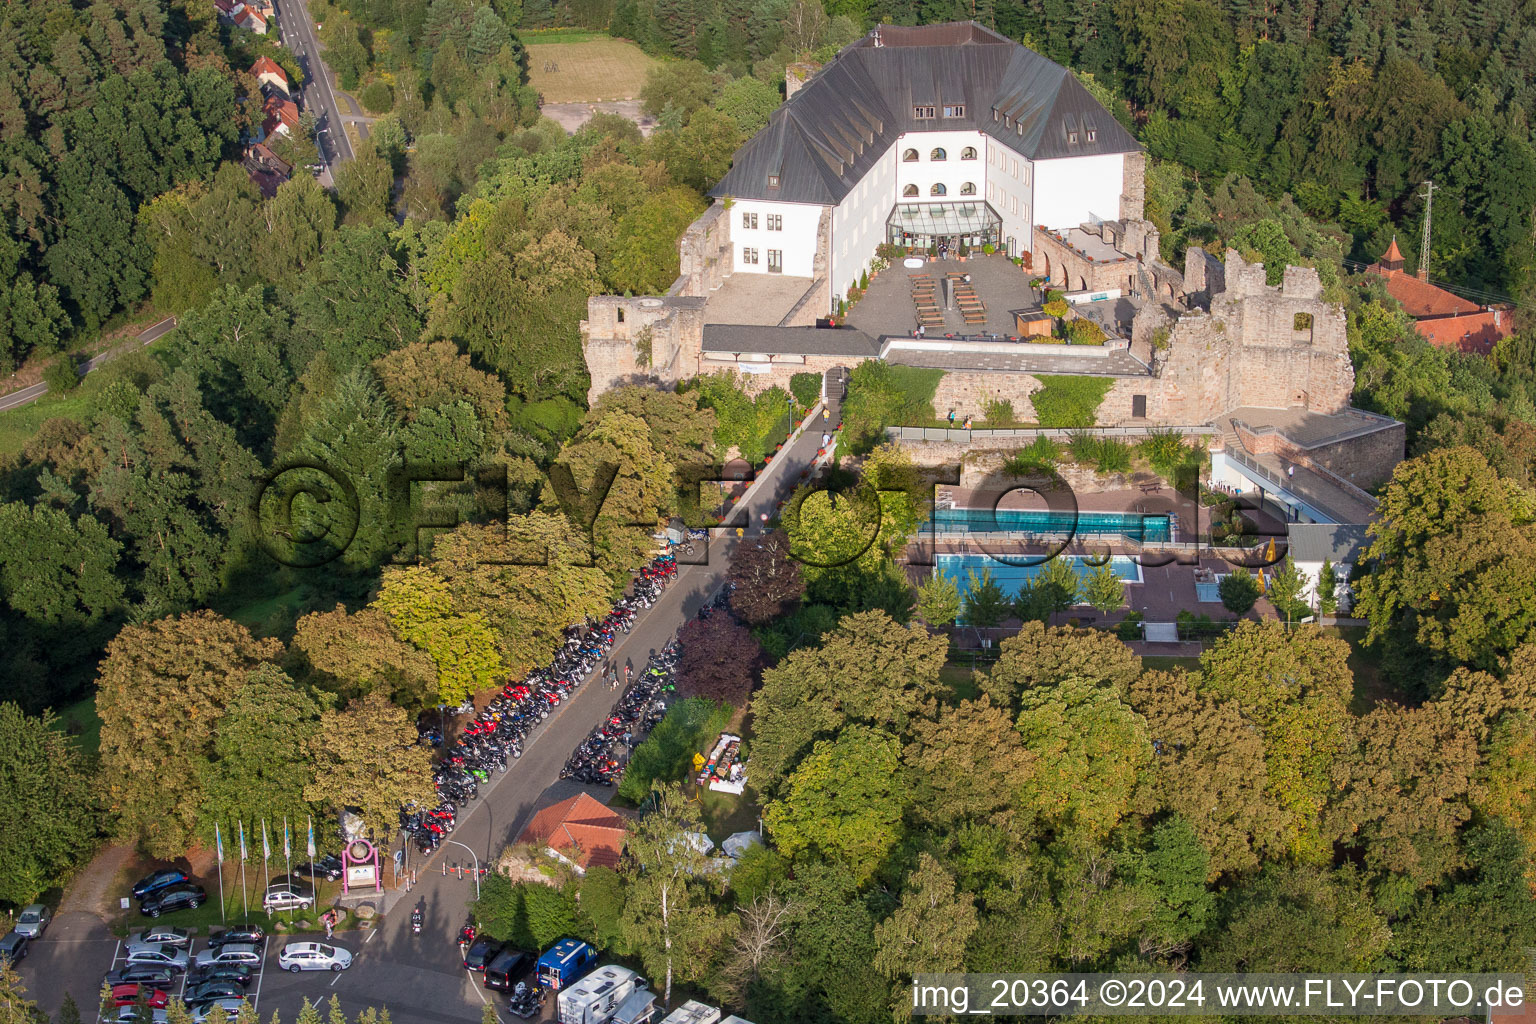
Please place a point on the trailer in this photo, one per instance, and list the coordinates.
(693, 1012)
(595, 998)
(639, 1008)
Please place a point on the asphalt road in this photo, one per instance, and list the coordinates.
(420, 977)
(298, 32)
(28, 395)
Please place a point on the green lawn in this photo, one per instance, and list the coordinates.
(18, 425)
(81, 721)
(960, 680)
(725, 813)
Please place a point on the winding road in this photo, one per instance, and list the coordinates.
(28, 395)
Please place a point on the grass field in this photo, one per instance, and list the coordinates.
(592, 67)
(81, 721)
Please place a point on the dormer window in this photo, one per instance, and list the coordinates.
(954, 111)
(996, 113)
(1007, 121)
(1093, 133)
(1019, 128)
(923, 113)
(1071, 138)
(773, 181)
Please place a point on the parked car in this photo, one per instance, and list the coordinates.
(156, 955)
(184, 896)
(208, 991)
(141, 974)
(130, 994)
(242, 974)
(313, 956)
(159, 880)
(252, 934)
(481, 952)
(503, 972)
(165, 935)
(13, 947)
(217, 1009)
(33, 921)
(141, 1015)
(231, 953)
(328, 867)
(284, 896)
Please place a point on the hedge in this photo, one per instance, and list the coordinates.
(1065, 401)
(806, 387)
(881, 395)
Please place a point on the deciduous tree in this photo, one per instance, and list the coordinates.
(720, 660)
(366, 759)
(767, 581)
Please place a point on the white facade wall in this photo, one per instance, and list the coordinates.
(796, 240)
(1011, 191)
(858, 223)
(1342, 592)
(951, 172)
(1077, 189)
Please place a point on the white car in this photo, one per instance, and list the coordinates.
(234, 953)
(156, 954)
(313, 956)
(32, 921)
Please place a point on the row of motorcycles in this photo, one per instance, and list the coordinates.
(489, 743)
(599, 759)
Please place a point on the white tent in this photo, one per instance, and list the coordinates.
(738, 843)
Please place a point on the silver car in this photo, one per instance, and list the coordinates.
(165, 935)
(219, 1009)
(156, 954)
(33, 921)
(234, 953)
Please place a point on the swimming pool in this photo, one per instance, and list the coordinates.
(1130, 525)
(1011, 577)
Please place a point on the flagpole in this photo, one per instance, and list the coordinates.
(266, 862)
(309, 848)
(218, 842)
(245, 903)
(287, 859)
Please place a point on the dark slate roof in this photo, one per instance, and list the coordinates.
(827, 136)
(1314, 542)
(789, 341)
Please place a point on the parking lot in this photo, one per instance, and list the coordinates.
(415, 976)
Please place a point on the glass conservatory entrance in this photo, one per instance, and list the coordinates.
(930, 225)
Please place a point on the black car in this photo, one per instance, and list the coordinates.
(157, 881)
(173, 898)
(241, 974)
(142, 974)
(503, 972)
(481, 952)
(13, 947)
(208, 991)
(328, 867)
(243, 933)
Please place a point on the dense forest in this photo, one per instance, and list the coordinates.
(1064, 808)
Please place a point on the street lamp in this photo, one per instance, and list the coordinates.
(472, 853)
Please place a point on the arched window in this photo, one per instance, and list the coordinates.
(968, 153)
(910, 190)
(937, 154)
(937, 190)
(968, 188)
(909, 157)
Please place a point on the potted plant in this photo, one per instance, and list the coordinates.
(989, 249)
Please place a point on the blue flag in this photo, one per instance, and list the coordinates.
(287, 850)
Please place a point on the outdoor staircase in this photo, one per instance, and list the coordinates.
(834, 387)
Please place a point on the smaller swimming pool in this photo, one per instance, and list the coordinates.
(1129, 525)
(1012, 577)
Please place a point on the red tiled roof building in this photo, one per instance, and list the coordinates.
(1445, 319)
(581, 830)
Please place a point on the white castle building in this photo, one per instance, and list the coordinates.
(940, 134)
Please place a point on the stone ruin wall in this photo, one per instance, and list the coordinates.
(617, 329)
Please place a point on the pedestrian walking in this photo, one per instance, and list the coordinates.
(826, 439)
(1290, 471)
(826, 414)
(329, 917)
(951, 417)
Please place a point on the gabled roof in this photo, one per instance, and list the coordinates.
(823, 140)
(1420, 298)
(1467, 332)
(267, 66)
(581, 829)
